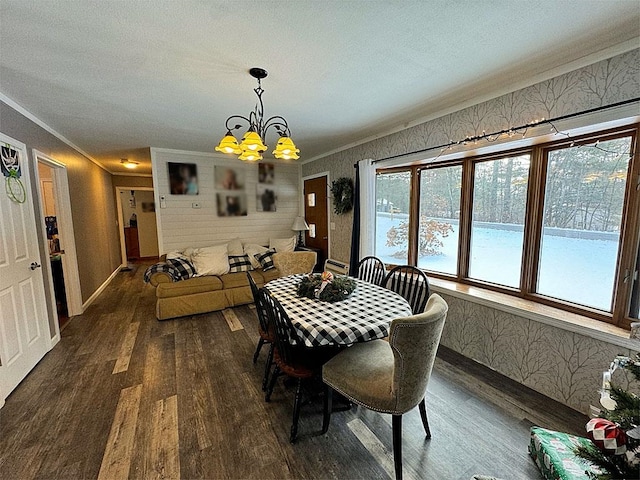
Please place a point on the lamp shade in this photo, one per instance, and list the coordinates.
(250, 156)
(299, 224)
(252, 141)
(229, 144)
(286, 149)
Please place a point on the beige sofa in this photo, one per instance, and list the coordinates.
(217, 292)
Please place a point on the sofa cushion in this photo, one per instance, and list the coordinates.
(193, 285)
(270, 275)
(283, 244)
(183, 265)
(239, 263)
(211, 260)
(234, 280)
(266, 260)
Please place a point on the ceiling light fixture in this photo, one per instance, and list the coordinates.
(252, 145)
(129, 163)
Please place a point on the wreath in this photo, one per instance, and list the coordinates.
(326, 287)
(342, 191)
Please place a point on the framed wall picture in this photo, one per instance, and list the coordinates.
(232, 204)
(266, 173)
(229, 178)
(183, 178)
(265, 198)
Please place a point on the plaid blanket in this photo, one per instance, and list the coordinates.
(162, 267)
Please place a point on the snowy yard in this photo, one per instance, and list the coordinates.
(574, 269)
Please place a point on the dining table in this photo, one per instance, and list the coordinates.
(364, 315)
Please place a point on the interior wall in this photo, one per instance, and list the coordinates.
(193, 220)
(563, 365)
(146, 219)
(92, 205)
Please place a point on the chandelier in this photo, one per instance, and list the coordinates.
(252, 145)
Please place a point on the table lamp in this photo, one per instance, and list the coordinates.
(300, 225)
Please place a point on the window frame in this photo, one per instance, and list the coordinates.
(629, 243)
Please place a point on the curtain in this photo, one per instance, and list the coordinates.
(364, 207)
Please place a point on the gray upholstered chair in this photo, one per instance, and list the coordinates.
(291, 263)
(390, 377)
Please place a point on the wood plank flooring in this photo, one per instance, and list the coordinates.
(126, 396)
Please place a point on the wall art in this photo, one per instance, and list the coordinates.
(183, 178)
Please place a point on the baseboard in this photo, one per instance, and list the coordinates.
(100, 289)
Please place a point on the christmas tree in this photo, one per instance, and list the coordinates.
(616, 435)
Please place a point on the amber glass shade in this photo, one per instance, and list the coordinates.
(229, 144)
(250, 156)
(286, 149)
(252, 141)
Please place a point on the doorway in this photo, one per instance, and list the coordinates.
(137, 221)
(316, 213)
(57, 241)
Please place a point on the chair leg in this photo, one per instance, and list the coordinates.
(296, 412)
(425, 420)
(397, 445)
(272, 383)
(267, 367)
(328, 407)
(258, 348)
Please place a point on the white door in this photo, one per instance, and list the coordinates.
(24, 330)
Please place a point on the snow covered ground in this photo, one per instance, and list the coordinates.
(574, 269)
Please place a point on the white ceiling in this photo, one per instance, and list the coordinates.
(114, 76)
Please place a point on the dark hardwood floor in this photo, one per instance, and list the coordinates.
(124, 395)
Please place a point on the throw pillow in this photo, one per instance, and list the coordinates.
(252, 250)
(211, 260)
(183, 265)
(266, 260)
(283, 244)
(234, 247)
(175, 254)
(239, 263)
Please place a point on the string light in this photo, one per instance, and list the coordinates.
(511, 131)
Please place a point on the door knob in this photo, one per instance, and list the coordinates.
(34, 265)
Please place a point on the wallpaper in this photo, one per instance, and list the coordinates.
(563, 365)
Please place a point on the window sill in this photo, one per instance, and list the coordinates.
(537, 312)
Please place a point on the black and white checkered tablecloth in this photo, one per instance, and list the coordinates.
(365, 315)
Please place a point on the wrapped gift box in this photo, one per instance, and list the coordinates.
(553, 454)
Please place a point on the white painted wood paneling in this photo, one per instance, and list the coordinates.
(180, 225)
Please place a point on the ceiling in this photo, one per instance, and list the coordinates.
(116, 77)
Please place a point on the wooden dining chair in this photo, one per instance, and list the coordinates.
(389, 377)
(411, 283)
(371, 269)
(290, 356)
(265, 330)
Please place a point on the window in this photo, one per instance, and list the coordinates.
(439, 223)
(497, 229)
(393, 191)
(557, 223)
(581, 221)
